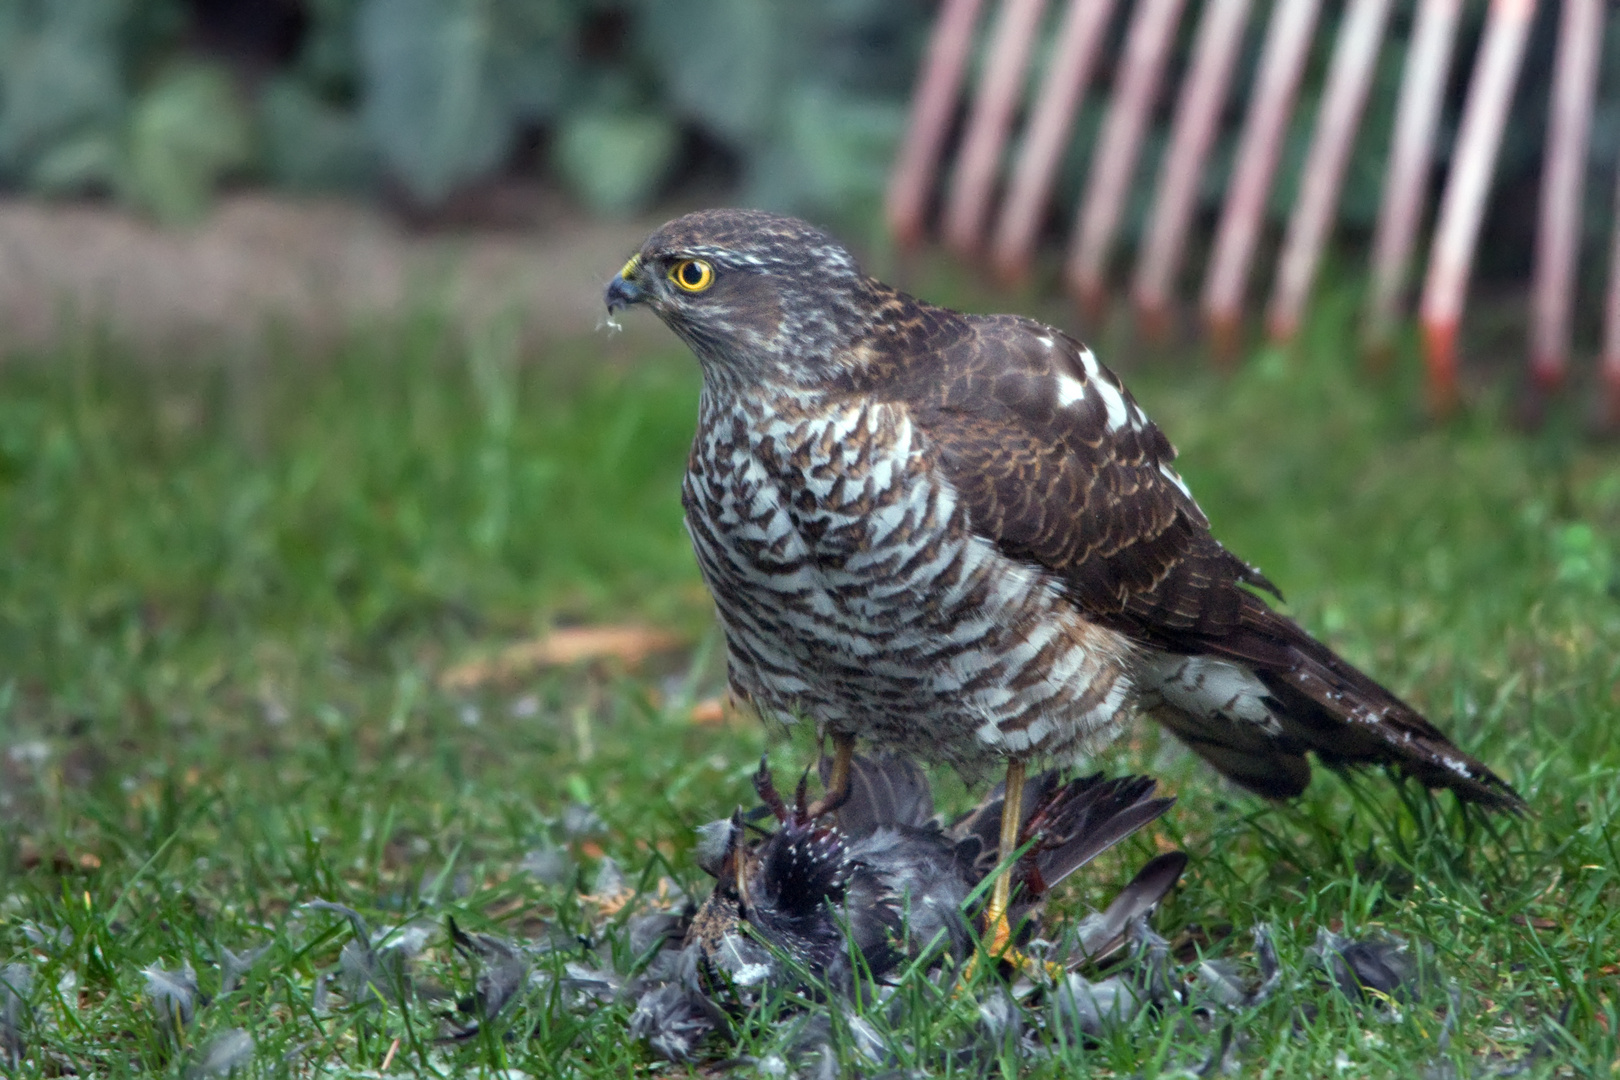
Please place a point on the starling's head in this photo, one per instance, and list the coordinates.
(761, 299)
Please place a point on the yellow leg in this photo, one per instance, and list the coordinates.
(838, 783)
(998, 931)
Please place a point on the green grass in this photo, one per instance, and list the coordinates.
(225, 597)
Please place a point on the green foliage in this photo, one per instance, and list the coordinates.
(614, 161)
(62, 97)
(804, 101)
(185, 133)
(310, 144)
(448, 81)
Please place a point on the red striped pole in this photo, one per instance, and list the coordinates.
(932, 107)
(1113, 163)
(1563, 182)
(1074, 53)
(1349, 78)
(1411, 154)
(999, 94)
(1462, 207)
(1192, 134)
(1282, 62)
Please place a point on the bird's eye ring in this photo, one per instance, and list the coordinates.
(692, 275)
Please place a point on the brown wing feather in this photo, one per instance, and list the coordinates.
(1056, 483)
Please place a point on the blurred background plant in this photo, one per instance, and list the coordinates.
(797, 107)
(159, 102)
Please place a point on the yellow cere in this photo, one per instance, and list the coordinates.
(630, 267)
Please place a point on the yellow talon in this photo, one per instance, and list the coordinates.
(998, 935)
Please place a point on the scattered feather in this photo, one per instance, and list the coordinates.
(376, 964)
(579, 820)
(1385, 969)
(674, 1020)
(653, 930)
(503, 972)
(16, 984)
(174, 993)
(232, 966)
(223, 1055)
(547, 864)
(48, 938)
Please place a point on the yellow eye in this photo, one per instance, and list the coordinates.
(692, 275)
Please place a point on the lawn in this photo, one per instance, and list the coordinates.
(228, 596)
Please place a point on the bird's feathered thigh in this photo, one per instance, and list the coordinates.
(854, 591)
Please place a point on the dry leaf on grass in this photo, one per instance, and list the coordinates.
(629, 645)
(709, 711)
(724, 709)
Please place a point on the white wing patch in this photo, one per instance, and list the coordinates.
(1112, 399)
(1170, 475)
(1069, 390)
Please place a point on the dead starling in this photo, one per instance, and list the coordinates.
(879, 880)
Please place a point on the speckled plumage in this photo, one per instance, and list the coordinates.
(960, 536)
(884, 875)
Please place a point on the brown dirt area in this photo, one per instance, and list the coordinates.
(314, 268)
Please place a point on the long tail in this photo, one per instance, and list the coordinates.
(1267, 694)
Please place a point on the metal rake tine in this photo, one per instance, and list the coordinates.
(1462, 206)
(1192, 134)
(1609, 418)
(1411, 155)
(912, 182)
(1114, 161)
(1024, 208)
(989, 123)
(1344, 96)
(1282, 62)
(1563, 176)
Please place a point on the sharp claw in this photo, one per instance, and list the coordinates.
(765, 787)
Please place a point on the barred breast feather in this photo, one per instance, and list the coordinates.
(853, 590)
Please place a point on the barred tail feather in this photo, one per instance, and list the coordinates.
(1314, 702)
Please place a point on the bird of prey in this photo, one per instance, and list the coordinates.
(881, 878)
(959, 536)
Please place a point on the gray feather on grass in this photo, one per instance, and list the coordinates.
(232, 966)
(223, 1054)
(174, 993)
(548, 864)
(1373, 969)
(16, 984)
(376, 965)
(503, 971)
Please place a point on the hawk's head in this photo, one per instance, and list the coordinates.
(759, 298)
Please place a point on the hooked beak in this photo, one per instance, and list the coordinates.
(623, 291)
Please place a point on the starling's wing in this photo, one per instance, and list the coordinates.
(887, 790)
(977, 833)
(1089, 815)
(1073, 822)
(1099, 936)
(1058, 467)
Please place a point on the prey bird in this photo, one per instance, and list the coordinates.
(959, 536)
(881, 878)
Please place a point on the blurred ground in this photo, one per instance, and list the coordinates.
(311, 268)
